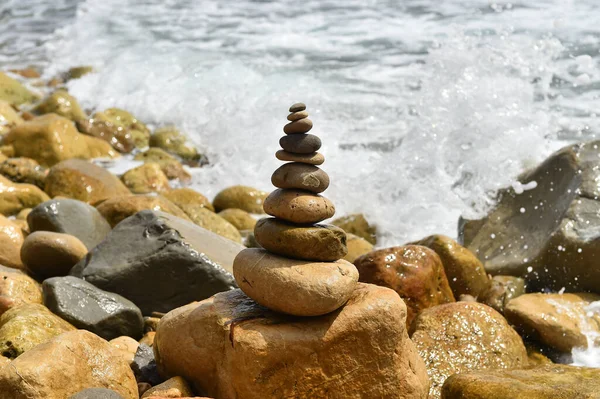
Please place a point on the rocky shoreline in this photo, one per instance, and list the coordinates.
(137, 286)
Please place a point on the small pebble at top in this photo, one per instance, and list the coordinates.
(298, 107)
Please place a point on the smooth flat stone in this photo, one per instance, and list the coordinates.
(294, 116)
(300, 143)
(299, 126)
(300, 176)
(318, 242)
(315, 158)
(293, 286)
(298, 206)
(297, 107)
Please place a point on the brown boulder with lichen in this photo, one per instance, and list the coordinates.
(560, 321)
(14, 197)
(17, 288)
(413, 271)
(119, 208)
(464, 271)
(11, 240)
(66, 365)
(146, 178)
(465, 336)
(50, 139)
(84, 181)
(361, 350)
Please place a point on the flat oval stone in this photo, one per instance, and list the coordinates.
(292, 286)
(319, 242)
(315, 158)
(300, 143)
(299, 126)
(297, 107)
(294, 116)
(298, 206)
(300, 176)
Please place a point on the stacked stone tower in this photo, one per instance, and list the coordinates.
(300, 271)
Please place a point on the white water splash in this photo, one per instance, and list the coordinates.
(589, 356)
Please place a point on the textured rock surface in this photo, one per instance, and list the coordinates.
(502, 290)
(144, 366)
(188, 200)
(160, 262)
(209, 220)
(241, 220)
(96, 393)
(16, 288)
(50, 139)
(25, 326)
(60, 103)
(15, 197)
(146, 178)
(464, 271)
(557, 320)
(14, 92)
(172, 141)
(66, 365)
(117, 209)
(357, 247)
(413, 271)
(84, 181)
(48, 254)
(465, 336)
(175, 387)
(298, 206)
(68, 216)
(170, 166)
(546, 235)
(547, 382)
(126, 346)
(292, 286)
(300, 176)
(87, 307)
(229, 347)
(357, 224)
(24, 170)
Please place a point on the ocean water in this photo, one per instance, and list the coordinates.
(425, 108)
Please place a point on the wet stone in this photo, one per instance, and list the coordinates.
(297, 107)
(294, 116)
(315, 158)
(299, 126)
(300, 143)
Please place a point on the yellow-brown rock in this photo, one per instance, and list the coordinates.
(242, 220)
(84, 181)
(146, 178)
(502, 290)
(556, 381)
(242, 197)
(296, 175)
(25, 326)
(211, 221)
(357, 247)
(296, 287)
(24, 170)
(119, 208)
(9, 118)
(188, 199)
(357, 224)
(61, 103)
(11, 240)
(319, 242)
(148, 338)
(126, 347)
(14, 92)
(171, 140)
(315, 158)
(465, 272)
(117, 136)
(298, 206)
(464, 336)
(17, 288)
(560, 321)
(413, 271)
(171, 167)
(15, 197)
(123, 120)
(50, 139)
(29, 72)
(48, 254)
(175, 387)
(66, 365)
(250, 352)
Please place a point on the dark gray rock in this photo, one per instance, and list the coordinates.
(549, 234)
(72, 217)
(144, 366)
(160, 262)
(96, 393)
(89, 308)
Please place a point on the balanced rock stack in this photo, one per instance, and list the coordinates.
(300, 271)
